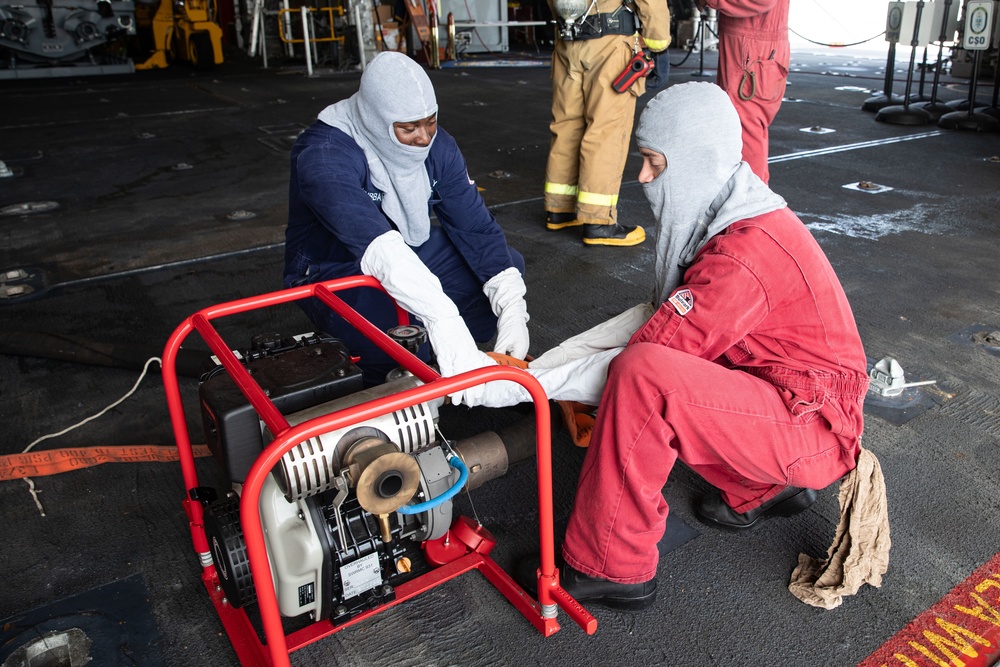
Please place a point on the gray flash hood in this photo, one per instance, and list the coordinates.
(706, 186)
(394, 89)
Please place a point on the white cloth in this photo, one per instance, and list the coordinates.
(506, 292)
(394, 89)
(417, 290)
(706, 186)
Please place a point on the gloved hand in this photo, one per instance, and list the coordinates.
(499, 394)
(612, 333)
(506, 292)
(457, 353)
(581, 380)
(416, 289)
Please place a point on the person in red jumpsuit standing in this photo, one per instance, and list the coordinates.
(753, 67)
(751, 370)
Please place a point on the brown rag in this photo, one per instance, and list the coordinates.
(860, 551)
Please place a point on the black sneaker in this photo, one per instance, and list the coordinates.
(614, 235)
(557, 221)
(583, 588)
(713, 509)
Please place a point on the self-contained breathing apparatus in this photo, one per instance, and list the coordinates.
(574, 21)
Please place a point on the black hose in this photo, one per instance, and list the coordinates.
(190, 363)
(519, 438)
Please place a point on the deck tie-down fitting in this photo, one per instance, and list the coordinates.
(888, 379)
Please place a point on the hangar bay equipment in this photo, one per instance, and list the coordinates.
(338, 499)
(64, 37)
(55, 38)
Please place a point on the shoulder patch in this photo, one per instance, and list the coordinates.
(682, 301)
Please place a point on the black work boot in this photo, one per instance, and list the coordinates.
(613, 234)
(556, 221)
(583, 588)
(714, 510)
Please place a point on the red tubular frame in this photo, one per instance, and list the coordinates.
(277, 646)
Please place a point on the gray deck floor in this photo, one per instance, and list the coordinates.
(151, 172)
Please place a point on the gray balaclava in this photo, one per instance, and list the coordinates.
(394, 89)
(706, 186)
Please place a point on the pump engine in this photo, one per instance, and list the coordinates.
(344, 513)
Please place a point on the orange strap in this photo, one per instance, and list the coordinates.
(579, 420)
(54, 461)
(507, 360)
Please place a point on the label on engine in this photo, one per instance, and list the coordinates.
(362, 575)
(307, 594)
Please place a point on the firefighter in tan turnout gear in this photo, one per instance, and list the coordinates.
(591, 122)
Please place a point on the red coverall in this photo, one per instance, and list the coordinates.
(753, 63)
(758, 385)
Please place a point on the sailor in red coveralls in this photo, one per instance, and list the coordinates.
(753, 67)
(751, 371)
(747, 366)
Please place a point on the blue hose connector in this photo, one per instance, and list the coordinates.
(463, 477)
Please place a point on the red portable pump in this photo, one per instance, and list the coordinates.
(352, 484)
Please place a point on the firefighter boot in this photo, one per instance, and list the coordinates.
(583, 588)
(555, 221)
(792, 500)
(613, 234)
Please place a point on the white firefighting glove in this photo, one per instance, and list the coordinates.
(417, 290)
(577, 368)
(612, 333)
(581, 379)
(456, 353)
(506, 292)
